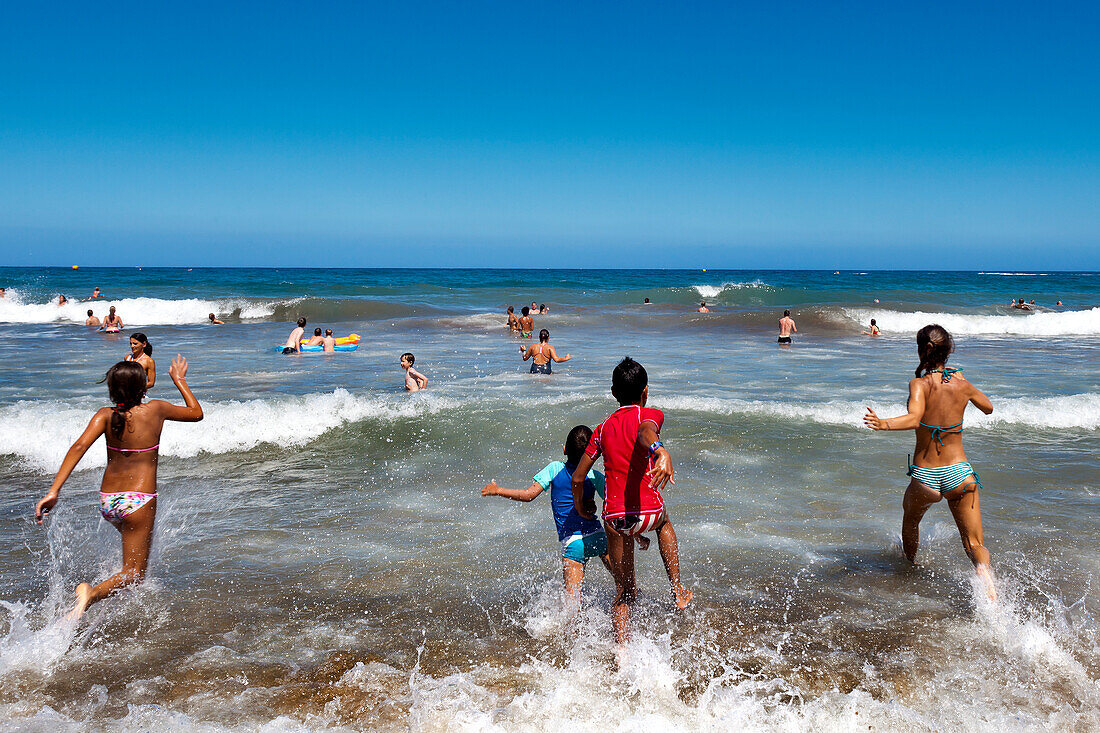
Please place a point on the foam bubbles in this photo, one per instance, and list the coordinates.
(1036, 323)
(135, 311)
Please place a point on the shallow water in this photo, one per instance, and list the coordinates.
(323, 557)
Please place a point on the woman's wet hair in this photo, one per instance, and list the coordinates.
(544, 336)
(628, 381)
(934, 345)
(126, 385)
(576, 443)
(873, 322)
(140, 338)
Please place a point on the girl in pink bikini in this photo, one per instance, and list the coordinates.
(128, 494)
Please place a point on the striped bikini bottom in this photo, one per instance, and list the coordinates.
(944, 478)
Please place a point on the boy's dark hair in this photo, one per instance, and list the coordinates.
(786, 313)
(409, 357)
(302, 322)
(544, 336)
(511, 309)
(628, 381)
(525, 310)
(328, 331)
(316, 332)
(89, 313)
(576, 443)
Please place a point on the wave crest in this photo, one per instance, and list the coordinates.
(138, 311)
(1065, 323)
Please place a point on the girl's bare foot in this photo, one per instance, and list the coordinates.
(682, 596)
(83, 600)
(987, 578)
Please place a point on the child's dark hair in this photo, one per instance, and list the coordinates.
(409, 357)
(511, 309)
(140, 338)
(873, 322)
(786, 313)
(126, 385)
(328, 331)
(302, 322)
(628, 381)
(316, 332)
(934, 344)
(576, 443)
(525, 310)
(544, 336)
(89, 313)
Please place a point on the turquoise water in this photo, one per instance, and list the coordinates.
(324, 558)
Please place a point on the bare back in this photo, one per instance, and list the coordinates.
(131, 466)
(944, 403)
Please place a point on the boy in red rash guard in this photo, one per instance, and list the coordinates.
(636, 466)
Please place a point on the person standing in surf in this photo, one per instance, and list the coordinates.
(141, 352)
(293, 343)
(786, 328)
(128, 492)
(938, 397)
(542, 354)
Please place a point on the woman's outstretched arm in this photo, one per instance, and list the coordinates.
(192, 411)
(96, 428)
(908, 421)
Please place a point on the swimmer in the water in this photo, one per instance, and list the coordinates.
(646, 302)
(95, 294)
(316, 340)
(214, 320)
(543, 310)
(786, 328)
(526, 323)
(542, 354)
(414, 380)
(128, 492)
(111, 322)
(3, 293)
(513, 322)
(938, 397)
(294, 340)
(62, 300)
(141, 351)
(702, 307)
(91, 320)
(329, 341)
(874, 329)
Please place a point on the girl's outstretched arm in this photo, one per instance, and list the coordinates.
(980, 400)
(192, 411)
(907, 421)
(96, 428)
(494, 489)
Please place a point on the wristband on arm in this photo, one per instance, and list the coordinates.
(654, 446)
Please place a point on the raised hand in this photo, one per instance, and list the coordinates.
(662, 470)
(873, 421)
(178, 370)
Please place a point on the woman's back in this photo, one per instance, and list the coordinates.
(945, 402)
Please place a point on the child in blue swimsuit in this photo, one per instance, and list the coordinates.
(580, 538)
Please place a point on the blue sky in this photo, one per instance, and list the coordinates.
(922, 135)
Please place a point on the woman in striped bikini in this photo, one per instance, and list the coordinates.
(939, 469)
(128, 493)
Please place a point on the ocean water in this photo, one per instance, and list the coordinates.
(323, 558)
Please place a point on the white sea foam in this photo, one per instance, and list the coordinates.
(1067, 323)
(1064, 412)
(136, 311)
(40, 432)
(713, 291)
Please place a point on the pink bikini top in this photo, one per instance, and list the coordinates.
(133, 450)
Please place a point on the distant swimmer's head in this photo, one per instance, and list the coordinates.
(301, 323)
(89, 313)
(629, 382)
(646, 300)
(407, 360)
(211, 317)
(2, 295)
(702, 304)
(576, 443)
(62, 300)
(786, 314)
(511, 309)
(3, 292)
(316, 332)
(328, 331)
(138, 342)
(934, 344)
(95, 291)
(534, 306)
(542, 307)
(544, 336)
(126, 385)
(525, 310)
